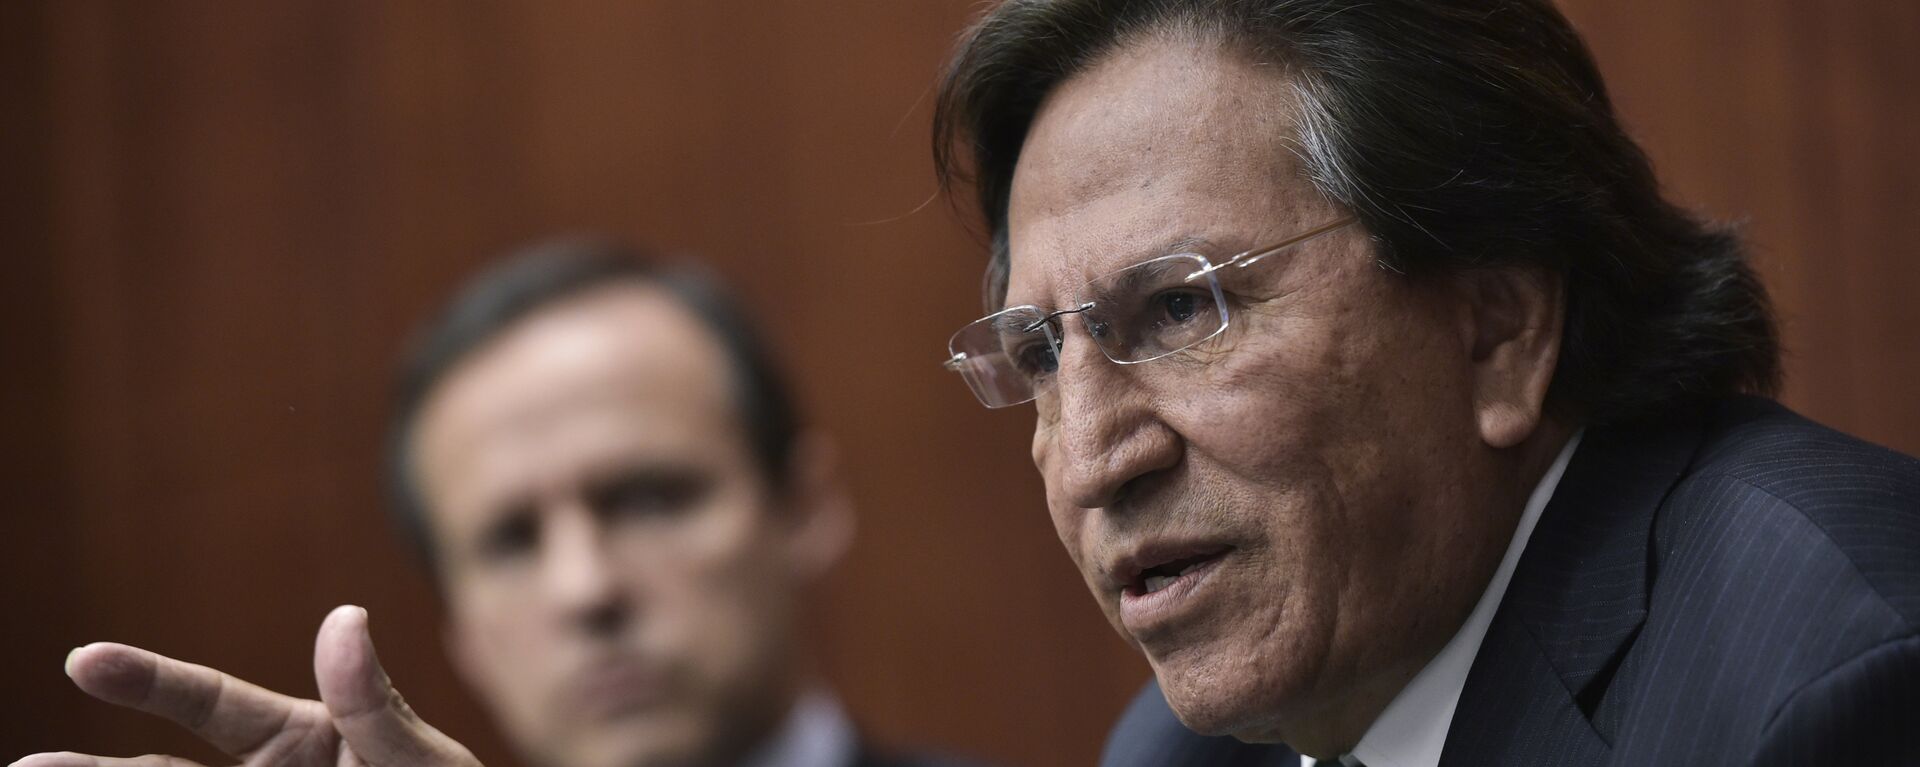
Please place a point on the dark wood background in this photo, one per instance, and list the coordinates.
(220, 219)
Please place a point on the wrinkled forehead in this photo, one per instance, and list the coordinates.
(1165, 145)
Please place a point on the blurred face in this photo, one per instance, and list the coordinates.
(1290, 519)
(621, 583)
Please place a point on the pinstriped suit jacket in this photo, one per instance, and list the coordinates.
(1739, 587)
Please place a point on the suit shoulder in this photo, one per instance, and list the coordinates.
(1761, 465)
(1842, 716)
(1804, 463)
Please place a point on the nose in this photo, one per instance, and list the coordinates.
(581, 581)
(1098, 433)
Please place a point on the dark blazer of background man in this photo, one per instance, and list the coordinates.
(624, 516)
(1451, 443)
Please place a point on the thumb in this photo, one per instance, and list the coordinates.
(368, 713)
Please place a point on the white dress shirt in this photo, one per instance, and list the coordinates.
(1412, 729)
(816, 733)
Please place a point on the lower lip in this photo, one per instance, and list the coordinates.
(617, 690)
(1143, 614)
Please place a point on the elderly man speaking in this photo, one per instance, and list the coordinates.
(1387, 407)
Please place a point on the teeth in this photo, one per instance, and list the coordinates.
(1157, 582)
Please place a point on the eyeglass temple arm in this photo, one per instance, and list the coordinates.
(1250, 257)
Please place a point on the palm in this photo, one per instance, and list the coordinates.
(359, 720)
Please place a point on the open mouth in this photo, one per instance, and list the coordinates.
(1168, 572)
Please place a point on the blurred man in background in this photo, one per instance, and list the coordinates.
(623, 516)
(608, 479)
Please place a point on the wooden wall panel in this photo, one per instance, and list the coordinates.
(1798, 120)
(38, 540)
(221, 219)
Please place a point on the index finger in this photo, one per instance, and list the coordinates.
(235, 716)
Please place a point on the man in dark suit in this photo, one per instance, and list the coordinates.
(1745, 594)
(624, 517)
(1387, 407)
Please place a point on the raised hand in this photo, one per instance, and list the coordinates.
(358, 720)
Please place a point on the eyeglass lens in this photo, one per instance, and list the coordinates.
(1140, 313)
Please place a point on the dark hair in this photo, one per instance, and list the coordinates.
(548, 273)
(1462, 134)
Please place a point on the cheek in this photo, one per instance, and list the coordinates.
(1043, 430)
(491, 613)
(511, 661)
(1321, 427)
(1253, 404)
(1070, 524)
(718, 590)
(1332, 378)
(1068, 520)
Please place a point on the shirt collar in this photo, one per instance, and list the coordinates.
(1412, 730)
(816, 733)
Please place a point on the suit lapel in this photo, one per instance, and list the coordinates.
(1577, 599)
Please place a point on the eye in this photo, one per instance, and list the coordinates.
(1036, 359)
(513, 535)
(1179, 306)
(649, 494)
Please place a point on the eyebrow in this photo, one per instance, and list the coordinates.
(1189, 244)
(1015, 321)
(1134, 278)
(1192, 243)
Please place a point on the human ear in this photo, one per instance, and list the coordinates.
(819, 513)
(1512, 328)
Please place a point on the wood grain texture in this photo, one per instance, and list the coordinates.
(222, 219)
(1798, 120)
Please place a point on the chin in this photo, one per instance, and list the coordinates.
(1216, 692)
(658, 744)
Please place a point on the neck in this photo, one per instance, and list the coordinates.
(1337, 727)
(754, 724)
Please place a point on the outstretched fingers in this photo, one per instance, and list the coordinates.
(367, 712)
(233, 715)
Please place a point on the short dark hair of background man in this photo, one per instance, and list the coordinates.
(546, 274)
